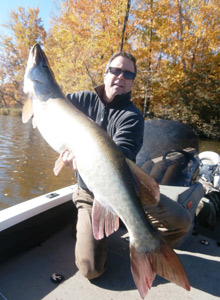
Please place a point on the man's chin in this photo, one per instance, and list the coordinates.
(118, 91)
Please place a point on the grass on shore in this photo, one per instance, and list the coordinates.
(15, 112)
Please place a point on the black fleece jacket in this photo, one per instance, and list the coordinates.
(121, 119)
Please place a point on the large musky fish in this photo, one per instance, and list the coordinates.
(106, 172)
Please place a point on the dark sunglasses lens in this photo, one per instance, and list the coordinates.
(129, 75)
(126, 74)
(115, 71)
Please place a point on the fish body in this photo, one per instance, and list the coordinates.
(106, 172)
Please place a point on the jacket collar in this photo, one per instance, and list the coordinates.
(117, 102)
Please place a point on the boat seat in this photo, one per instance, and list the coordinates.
(188, 197)
(178, 168)
(169, 153)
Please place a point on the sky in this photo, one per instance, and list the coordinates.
(46, 7)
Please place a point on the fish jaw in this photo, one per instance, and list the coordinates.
(39, 80)
(31, 75)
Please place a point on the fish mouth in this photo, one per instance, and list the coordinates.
(38, 55)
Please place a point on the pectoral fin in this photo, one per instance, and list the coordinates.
(27, 111)
(148, 188)
(58, 165)
(104, 222)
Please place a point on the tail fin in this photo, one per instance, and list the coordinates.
(142, 271)
(167, 264)
(163, 262)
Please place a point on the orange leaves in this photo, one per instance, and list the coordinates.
(26, 28)
(171, 40)
(85, 34)
(174, 42)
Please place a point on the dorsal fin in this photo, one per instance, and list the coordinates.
(148, 188)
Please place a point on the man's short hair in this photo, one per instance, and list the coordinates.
(123, 54)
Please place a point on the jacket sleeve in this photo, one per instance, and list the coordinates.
(85, 101)
(129, 135)
(78, 100)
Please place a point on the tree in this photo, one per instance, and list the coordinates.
(125, 23)
(26, 30)
(174, 39)
(83, 37)
(176, 43)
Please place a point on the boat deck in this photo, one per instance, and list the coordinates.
(27, 276)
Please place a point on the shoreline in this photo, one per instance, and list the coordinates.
(208, 135)
(11, 111)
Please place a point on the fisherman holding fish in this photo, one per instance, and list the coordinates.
(110, 106)
(110, 184)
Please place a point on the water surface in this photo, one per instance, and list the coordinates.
(26, 163)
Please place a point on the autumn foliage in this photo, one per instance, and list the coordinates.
(176, 43)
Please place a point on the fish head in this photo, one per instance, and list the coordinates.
(39, 80)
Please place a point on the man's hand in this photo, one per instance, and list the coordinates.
(69, 159)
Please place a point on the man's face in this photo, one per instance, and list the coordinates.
(118, 85)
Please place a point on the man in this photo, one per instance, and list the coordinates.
(111, 108)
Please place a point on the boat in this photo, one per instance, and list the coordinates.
(30, 223)
(37, 242)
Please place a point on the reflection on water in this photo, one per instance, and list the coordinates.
(26, 163)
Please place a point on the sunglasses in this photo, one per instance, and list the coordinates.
(118, 71)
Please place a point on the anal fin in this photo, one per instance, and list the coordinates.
(104, 222)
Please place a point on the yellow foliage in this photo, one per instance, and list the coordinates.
(26, 29)
(82, 39)
(170, 39)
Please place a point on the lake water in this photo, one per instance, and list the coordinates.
(26, 163)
